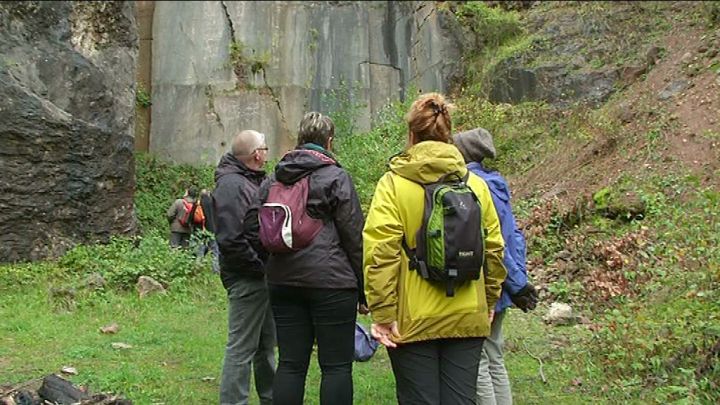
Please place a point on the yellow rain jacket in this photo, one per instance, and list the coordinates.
(396, 293)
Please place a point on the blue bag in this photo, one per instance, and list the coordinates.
(365, 345)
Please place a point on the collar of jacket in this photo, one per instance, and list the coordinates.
(230, 164)
(318, 148)
(427, 161)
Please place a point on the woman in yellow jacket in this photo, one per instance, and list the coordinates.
(434, 341)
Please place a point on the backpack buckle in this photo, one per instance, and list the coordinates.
(413, 262)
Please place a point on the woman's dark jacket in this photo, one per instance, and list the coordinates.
(334, 258)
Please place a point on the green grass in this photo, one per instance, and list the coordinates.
(178, 342)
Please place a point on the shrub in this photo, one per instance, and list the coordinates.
(365, 155)
(142, 96)
(123, 260)
(344, 107)
(492, 26)
(712, 13)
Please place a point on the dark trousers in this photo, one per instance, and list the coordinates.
(303, 315)
(442, 371)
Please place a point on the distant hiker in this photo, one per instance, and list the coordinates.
(179, 216)
(208, 244)
(251, 330)
(493, 385)
(432, 312)
(311, 223)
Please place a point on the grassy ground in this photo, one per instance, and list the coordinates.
(177, 344)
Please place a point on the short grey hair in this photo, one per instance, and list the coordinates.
(315, 128)
(247, 142)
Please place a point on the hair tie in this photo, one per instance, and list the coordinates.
(436, 108)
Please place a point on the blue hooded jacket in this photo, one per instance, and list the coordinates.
(515, 250)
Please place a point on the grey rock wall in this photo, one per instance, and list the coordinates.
(204, 93)
(67, 73)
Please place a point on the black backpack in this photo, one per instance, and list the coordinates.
(451, 240)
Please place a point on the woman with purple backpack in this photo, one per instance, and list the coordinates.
(311, 223)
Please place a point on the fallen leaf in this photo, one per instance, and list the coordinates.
(69, 370)
(110, 329)
(119, 345)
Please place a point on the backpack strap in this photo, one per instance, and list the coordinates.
(450, 285)
(415, 264)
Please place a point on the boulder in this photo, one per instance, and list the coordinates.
(559, 314)
(67, 98)
(630, 74)
(147, 285)
(95, 281)
(672, 89)
(653, 55)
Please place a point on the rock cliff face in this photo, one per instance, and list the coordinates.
(66, 143)
(219, 67)
(580, 53)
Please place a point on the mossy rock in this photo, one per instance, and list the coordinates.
(619, 204)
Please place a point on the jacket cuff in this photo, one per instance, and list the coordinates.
(384, 315)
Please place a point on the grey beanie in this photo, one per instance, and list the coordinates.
(475, 144)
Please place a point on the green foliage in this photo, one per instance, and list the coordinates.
(521, 132)
(123, 260)
(142, 96)
(365, 155)
(493, 26)
(712, 13)
(601, 198)
(499, 35)
(159, 184)
(240, 59)
(344, 106)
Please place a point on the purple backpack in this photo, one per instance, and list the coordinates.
(285, 225)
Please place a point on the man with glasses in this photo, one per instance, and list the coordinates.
(251, 330)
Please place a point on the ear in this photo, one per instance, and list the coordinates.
(329, 145)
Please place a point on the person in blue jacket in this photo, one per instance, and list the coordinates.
(493, 386)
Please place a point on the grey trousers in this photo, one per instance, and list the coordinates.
(493, 385)
(251, 340)
(179, 239)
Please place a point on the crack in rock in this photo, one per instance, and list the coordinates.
(380, 64)
(274, 97)
(229, 20)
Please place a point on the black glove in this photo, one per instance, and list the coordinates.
(525, 299)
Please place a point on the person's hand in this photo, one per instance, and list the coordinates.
(526, 299)
(491, 316)
(384, 332)
(363, 309)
